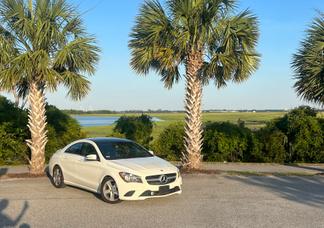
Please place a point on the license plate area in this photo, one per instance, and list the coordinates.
(164, 189)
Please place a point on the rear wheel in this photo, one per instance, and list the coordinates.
(58, 179)
(109, 191)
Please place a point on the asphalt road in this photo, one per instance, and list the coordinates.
(207, 201)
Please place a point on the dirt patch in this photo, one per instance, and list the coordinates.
(21, 175)
(245, 173)
(201, 171)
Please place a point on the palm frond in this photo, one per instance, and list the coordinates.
(308, 63)
(78, 55)
(78, 86)
(232, 49)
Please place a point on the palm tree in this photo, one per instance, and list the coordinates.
(52, 48)
(205, 37)
(308, 63)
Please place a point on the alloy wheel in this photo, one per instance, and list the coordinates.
(58, 180)
(110, 191)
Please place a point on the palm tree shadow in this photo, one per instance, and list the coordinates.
(304, 190)
(6, 221)
(315, 168)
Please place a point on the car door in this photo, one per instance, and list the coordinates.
(90, 172)
(71, 157)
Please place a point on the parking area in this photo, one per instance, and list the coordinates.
(207, 201)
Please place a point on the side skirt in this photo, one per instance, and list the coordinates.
(80, 186)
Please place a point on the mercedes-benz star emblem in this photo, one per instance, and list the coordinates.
(163, 179)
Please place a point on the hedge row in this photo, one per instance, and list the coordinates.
(296, 137)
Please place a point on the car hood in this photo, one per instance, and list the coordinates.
(147, 165)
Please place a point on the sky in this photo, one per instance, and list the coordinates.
(115, 86)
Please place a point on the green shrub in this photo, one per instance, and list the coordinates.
(253, 153)
(12, 114)
(169, 144)
(137, 128)
(272, 145)
(13, 132)
(13, 149)
(225, 142)
(304, 133)
(306, 138)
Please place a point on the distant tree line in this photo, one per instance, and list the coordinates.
(93, 112)
(81, 112)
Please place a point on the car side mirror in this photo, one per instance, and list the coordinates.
(91, 157)
(151, 152)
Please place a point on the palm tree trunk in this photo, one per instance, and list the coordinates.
(193, 121)
(37, 126)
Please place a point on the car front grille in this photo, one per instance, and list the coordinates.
(161, 179)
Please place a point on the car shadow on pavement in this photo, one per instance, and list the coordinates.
(304, 190)
(96, 195)
(6, 221)
(49, 176)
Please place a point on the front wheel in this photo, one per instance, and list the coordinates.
(109, 191)
(58, 179)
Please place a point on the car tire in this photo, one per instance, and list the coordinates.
(58, 178)
(109, 191)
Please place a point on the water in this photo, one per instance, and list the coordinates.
(89, 121)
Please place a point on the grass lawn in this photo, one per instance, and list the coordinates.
(98, 131)
(252, 120)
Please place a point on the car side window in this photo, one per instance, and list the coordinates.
(88, 149)
(74, 149)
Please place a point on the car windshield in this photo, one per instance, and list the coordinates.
(122, 150)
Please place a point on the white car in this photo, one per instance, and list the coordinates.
(117, 169)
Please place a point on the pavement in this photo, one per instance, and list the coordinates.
(207, 201)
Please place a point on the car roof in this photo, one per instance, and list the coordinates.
(107, 139)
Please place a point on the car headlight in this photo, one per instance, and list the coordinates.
(178, 173)
(128, 177)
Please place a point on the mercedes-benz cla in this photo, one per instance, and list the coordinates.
(117, 169)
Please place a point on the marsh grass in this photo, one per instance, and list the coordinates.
(253, 120)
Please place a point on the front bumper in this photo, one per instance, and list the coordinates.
(141, 191)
